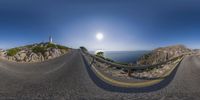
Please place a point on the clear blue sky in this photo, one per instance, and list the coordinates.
(126, 24)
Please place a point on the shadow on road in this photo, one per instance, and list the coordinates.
(100, 83)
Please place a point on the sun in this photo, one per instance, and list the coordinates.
(99, 36)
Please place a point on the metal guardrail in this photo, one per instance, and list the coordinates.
(133, 67)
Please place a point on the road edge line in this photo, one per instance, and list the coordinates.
(128, 84)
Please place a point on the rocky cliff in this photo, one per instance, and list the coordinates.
(34, 53)
(162, 54)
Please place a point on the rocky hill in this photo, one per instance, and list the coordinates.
(162, 54)
(196, 51)
(34, 53)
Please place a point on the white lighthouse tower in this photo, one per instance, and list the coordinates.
(50, 39)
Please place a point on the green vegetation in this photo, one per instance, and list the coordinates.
(62, 47)
(29, 46)
(83, 48)
(38, 49)
(51, 45)
(122, 63)
(42, 49)
(13, 51)
(101, 54)
(146, 56)
(108, 59)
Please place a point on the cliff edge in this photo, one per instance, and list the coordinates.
(163, 54)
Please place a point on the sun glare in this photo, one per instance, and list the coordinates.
(99, 36)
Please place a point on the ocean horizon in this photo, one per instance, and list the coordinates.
(124, 56)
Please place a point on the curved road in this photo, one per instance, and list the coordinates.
(69, 77)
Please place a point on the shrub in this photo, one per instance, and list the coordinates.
(13, 51)
(38, 49)
(83, 48)
(101, 54)
(62, 47)
(29, 46)
(121, 63)
(51, 45)
(109, 59)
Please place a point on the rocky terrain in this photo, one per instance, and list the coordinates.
(34, 53)
(197, 51)
(141, 74)
(156, 56)
(163, 54)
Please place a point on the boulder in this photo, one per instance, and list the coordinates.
(55, 52)
(20, 56)
(63, 51)
(34, 57)
(10, 58)
(46, 54)
(41, 57)
(2, 53)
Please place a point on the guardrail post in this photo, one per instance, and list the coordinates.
(92, 61)
(129, 72)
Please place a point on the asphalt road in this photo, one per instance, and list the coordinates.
(70, 78)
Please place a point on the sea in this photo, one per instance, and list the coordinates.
(125, 56)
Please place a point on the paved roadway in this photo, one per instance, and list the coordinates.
(69, 77)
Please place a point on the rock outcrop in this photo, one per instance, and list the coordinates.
(197, 51)
(2, 53)
(163, 54)
(34, 53)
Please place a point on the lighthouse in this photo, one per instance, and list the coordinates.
(50, 39)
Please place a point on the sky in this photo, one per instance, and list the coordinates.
(126, 24)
